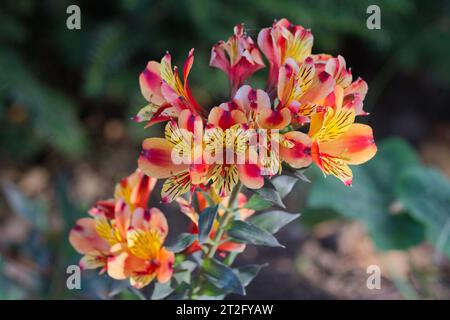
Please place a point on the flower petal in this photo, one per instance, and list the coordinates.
(273, 119)
(85, 239)
(298, 153)
(165, 269)
(156, 159)
(150, 82)
(225, 119)
(250, 175)
(355, 146)
(150, 219)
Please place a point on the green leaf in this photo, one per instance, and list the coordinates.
(301, 175)
(425, 192)
(270, 194)
(249, 233)
(371, 197)
(272, 221)
(205, 222)
(283, 184)
(183, 241)
(247, 273)
(257, 203)
(162, 290)
(223, 277)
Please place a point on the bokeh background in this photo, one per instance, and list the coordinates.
(66, 98)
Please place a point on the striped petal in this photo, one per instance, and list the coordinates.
(176, 186)
(144, 244)
(332, 165)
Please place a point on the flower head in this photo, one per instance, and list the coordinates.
(238, 57)
(337, 141)
(123, 237)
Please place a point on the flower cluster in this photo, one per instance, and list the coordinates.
(305, 114)
(123, 237)
(258, 131)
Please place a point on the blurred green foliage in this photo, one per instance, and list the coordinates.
(53, 78)
(401, 202)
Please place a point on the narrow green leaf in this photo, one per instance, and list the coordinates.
(223, 277)
(205, 222)
(301, 175)
(272, 221)
(271, 195)
(247, 273)
(257, 203)
(183, 241)
(284, 184)
(249, 233)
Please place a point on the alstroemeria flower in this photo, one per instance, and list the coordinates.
(282, 41)
(142, 257)
(111, 238)
(302, 87)
(177, 157)
(336, 67)
(201, 203)
(292, 147)
(339, 142)
(238, 57)
(167, 95)
(228, 152)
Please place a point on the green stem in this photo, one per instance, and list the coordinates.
(224, 221)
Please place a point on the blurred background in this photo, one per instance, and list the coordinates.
(66, 98)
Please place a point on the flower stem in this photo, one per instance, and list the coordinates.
(224, 221)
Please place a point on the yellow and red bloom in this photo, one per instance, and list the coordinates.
(337, 141)
(193, 214)
(167, 95)
(123, 237)
(282, 41)
(178, 157)
(238, 57)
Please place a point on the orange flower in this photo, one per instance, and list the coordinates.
(124, 238)
(241, 214)
(162, 88)
(238, 57)
(282, 41)
(177, 157)
(339, 142)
